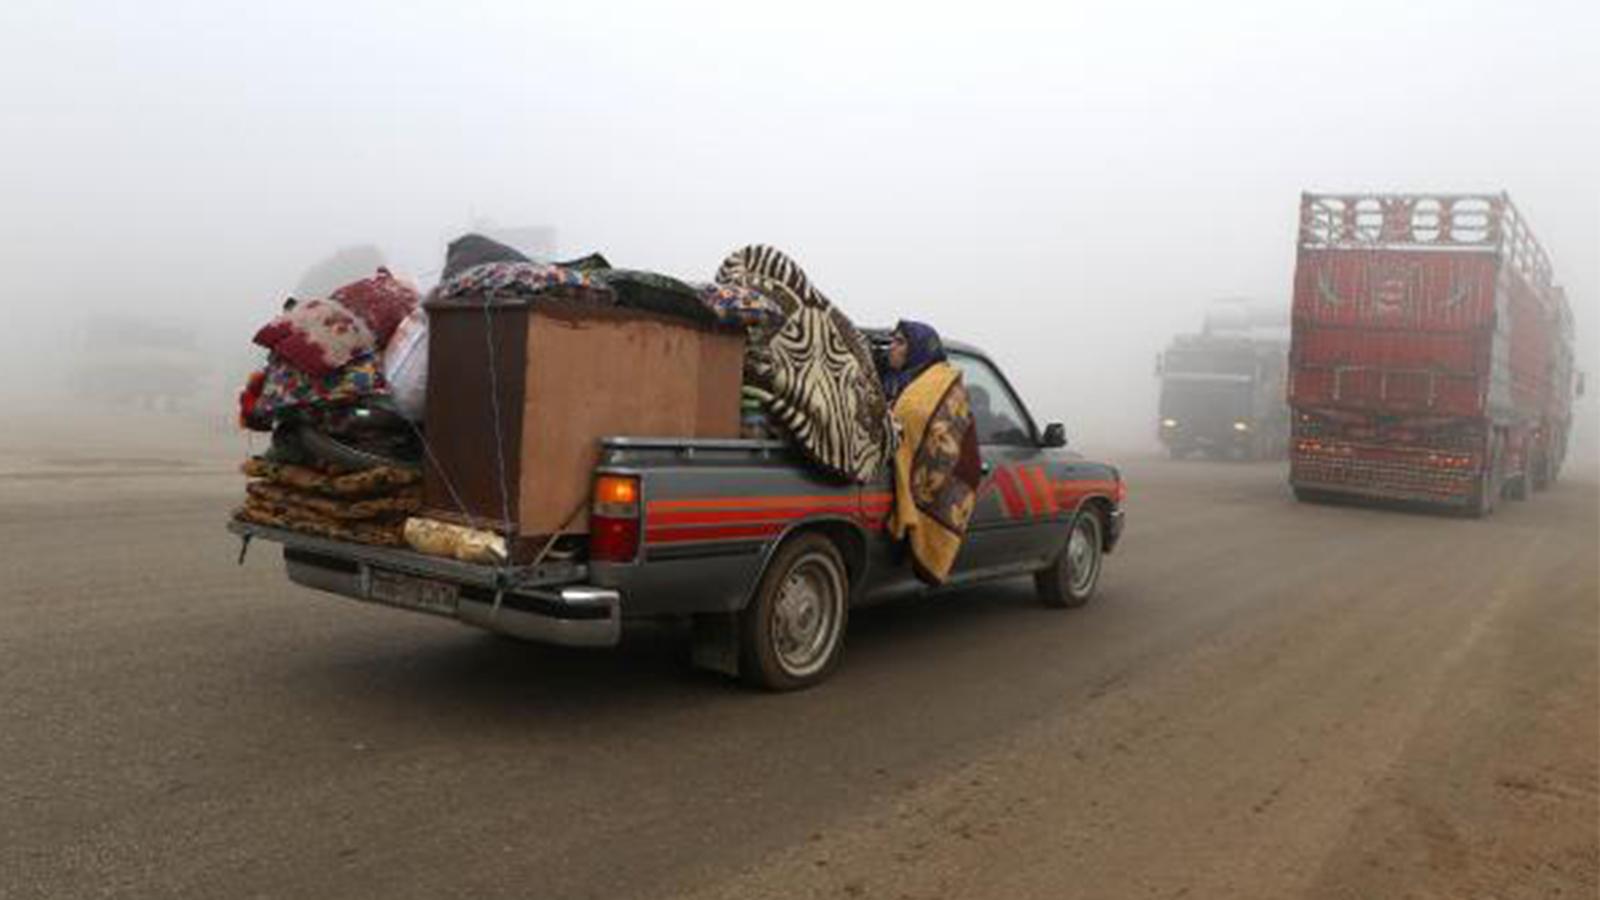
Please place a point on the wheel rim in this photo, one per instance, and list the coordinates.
(1083, 555)
(805, 616)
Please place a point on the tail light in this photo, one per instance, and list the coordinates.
(614, 519)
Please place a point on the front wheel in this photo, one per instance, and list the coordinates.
(792, 632)
(1070, 581)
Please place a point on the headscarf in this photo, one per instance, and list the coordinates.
(923, 349)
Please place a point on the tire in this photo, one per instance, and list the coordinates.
(1483, 499)
(1178, 453)
(1517, 488)
(1070, 581)
(791, 634)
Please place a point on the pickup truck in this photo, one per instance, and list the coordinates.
(763, 556)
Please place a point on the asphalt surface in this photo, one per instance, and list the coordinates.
(1266, 700)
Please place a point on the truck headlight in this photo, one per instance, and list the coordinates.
(1241, 426)
(1169, 423)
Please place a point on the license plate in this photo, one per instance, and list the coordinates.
(413, 593)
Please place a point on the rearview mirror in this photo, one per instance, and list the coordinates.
(1055, 435)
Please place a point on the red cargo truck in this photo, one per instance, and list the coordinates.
(1431, 351)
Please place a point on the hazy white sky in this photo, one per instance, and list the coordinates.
(1066, 184)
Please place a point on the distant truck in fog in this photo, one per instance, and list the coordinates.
(1222, 390)
(1432, 352)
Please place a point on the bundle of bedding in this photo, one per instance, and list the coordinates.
(369, 506)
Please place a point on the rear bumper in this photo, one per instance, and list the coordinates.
(1187, 439)
(1384, 480)
(572, 616)
(551, 604)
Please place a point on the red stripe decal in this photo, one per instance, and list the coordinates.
(723, 533)
(1046, 490)
(1010, 497)
(730, 517)
(1035, 496)
(1070, 493)
(748, 502)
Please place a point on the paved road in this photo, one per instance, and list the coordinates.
(1266, 700)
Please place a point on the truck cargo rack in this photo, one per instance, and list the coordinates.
(1443, 222)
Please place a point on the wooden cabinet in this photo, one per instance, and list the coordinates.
(521, 391)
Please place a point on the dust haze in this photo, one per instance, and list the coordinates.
(1065, 185)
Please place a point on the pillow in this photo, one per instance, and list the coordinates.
(382, 301)
(317, 337)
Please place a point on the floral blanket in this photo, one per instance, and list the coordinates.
(318, 337)
(286, 387)
(515, 278)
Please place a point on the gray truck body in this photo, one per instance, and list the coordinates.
(714, 513)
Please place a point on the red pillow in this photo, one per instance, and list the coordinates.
(382, 301)
(317, 337)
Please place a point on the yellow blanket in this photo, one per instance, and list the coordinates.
(937, 470)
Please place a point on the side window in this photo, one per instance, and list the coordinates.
(995, 412)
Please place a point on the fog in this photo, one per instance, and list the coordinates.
(1066, 185)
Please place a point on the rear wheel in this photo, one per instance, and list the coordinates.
(1490, 483)
(1483, 499)
(1541, 472)
(1070, 581)
(792, 632)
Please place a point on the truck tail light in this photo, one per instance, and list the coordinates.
(614, 519)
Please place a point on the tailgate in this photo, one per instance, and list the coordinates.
(359, 570)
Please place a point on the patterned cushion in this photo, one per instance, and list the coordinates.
(318, 337)
(382, 302)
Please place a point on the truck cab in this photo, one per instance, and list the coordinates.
(1223, 396)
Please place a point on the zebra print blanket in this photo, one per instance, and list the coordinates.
(814, 373)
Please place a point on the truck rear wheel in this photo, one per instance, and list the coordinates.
(791, 634)
(1483, 499)
(1070, 581)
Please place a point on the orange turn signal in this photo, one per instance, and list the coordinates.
(616, 490)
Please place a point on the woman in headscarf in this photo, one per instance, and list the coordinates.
(913, 347)
(936, 467)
